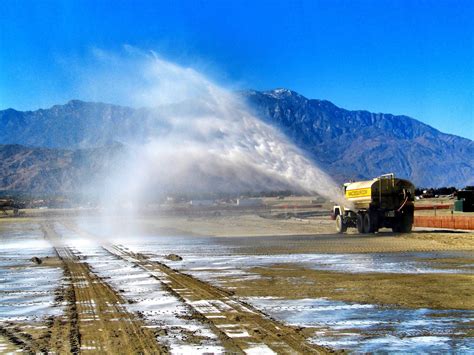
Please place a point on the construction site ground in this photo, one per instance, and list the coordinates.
(247, 282)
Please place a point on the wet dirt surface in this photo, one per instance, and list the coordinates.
(97, 318)
(292, 281)
(59, 306)
(238, 327)
(28, 291)
(387, 292)
(371, 328)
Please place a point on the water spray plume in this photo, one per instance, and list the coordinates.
(207, 140)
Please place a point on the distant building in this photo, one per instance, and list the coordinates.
(249, 202)
(202, 203)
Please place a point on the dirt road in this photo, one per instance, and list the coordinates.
(99, 317)
(241, 327)
(96, 319)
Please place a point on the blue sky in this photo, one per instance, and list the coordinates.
(402, 57)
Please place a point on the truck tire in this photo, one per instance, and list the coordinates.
(369, 223)
(406, 223)
(340, 224)
(360, 222)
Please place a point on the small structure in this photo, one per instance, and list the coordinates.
(249, 202)
(202, 203)
(465, 200)
(10, 204)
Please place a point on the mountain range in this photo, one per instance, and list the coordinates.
(360, 144)
(59, 148)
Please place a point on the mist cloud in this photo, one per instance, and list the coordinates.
(211, 141)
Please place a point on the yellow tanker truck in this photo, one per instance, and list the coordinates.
(385, 201)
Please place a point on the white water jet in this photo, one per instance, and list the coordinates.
(208, 141)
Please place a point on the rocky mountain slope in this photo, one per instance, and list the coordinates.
(361, 144)
(348, 144)
(46, 170)
(77, 124)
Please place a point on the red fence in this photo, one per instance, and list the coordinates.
(433, 207)
(451, 222)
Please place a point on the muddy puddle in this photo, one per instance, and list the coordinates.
(213, 261)
(369, 328)
(200, 252)
(215, 267)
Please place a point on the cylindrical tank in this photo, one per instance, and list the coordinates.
(385, 201)
(385, 192)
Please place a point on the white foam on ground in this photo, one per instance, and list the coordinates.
(146, 296)
(259, 349)
(233, 330)
(368, 328)
(196, 349)
(214, 267)
(209, 260)
(357, 327)
(26, 290)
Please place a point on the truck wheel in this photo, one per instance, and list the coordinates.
(406, 224)
(360, 223)
(396, 227)
(340, 225)
(368, 223)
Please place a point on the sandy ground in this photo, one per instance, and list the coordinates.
(435, 291)
(92, 299)
(260, 236)
(321, 229)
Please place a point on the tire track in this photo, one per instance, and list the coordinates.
(242, 325)
(22, 340)
(100, 322)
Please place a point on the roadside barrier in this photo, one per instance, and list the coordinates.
(450, 222)
(433, 207)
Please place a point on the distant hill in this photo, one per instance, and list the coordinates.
(348, 144)
(77, 124)
(361, 144)
(46, 170)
